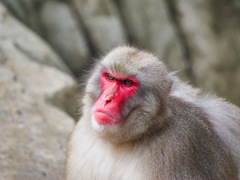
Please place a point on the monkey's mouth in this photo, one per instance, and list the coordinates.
(104, 118)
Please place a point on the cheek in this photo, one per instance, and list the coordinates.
(130, 105)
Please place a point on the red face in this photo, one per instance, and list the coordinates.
(116, 90)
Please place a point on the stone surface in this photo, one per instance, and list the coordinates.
(213, 44)
(33, 131)
(26, 11)
(200, 39)
(56, 22)
(102, 21)
(27, 42)
(67, 38)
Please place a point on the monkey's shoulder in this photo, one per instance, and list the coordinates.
(187, 116)
(184, 110)
(191, 141)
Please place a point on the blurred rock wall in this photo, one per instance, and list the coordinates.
(199, 38)
(35, 109)
(45, 44)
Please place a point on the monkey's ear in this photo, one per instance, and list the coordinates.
(172, 76)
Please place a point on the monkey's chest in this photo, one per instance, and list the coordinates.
(102, 161)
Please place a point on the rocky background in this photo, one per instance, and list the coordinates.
(46, 44)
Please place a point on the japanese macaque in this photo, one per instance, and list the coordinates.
(140, 122)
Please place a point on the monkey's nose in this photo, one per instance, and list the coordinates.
(109, 98)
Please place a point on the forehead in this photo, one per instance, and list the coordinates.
(129, 61)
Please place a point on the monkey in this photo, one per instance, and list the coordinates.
(140, 121)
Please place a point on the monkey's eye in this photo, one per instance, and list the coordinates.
(127, 82)
(110, 77)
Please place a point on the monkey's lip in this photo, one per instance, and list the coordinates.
(104, 118)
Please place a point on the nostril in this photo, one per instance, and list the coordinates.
(107, 101)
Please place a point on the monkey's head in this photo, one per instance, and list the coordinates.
(126, 94)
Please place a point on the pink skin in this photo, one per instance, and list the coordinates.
(108, 108)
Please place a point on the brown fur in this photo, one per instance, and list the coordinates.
(164, 136)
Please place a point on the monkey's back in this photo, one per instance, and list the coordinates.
(188, 146)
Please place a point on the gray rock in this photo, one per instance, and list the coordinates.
(55, 22)
(27, 42)
(26, 11)
(195, 22)
(199, 38)
(33, 131)
(215, 52)
(64, 34)
(102, 21)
